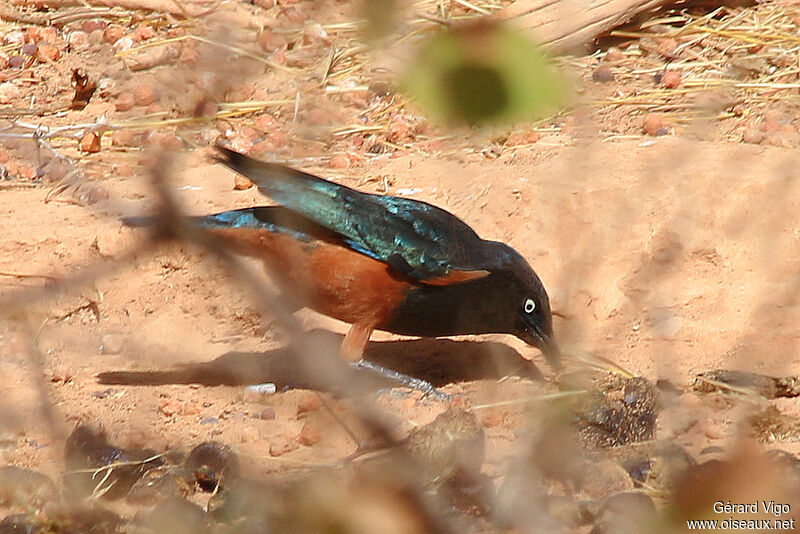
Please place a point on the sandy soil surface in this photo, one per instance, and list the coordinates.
(668, 256)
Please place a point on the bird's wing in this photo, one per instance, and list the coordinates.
(272, 218)
(412, 237)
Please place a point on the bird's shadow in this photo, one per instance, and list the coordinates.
(438, 361)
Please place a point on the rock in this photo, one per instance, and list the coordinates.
(340, 161)
(123, 44)
(78, 40)
(124, 137)
(266, 123)
(112, 343)
(20, 486)
(753, 136)
(124, 102)
(90, 143)
(113, 33)
(270, 42)
(603, 478)
(92, 25)
(144, 32)
(213, 464)
(292, 15)
(308, 402)
(452, 442)
(267, 414)
(144, 95)
(74, 518)
(614, 54)
(310, 434)
(19, 524)
(671, 79)
(242, 500)
(87, 452)
(618, 411)
(177, 516)
(652, 123)
(47, 53)
(629, 512)
(280, 445)
(161, 483)
(29, 49)
(602, 74)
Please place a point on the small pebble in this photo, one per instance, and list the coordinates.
(112, 343)
(309, 402)
(604, 478)
(47, 53)
(271, 42)
(92, 25)
(209, 421)
(652, 123)
(278, 138)
(90, 143)
(61, 373)
(267, 414)
(48, 35)
(144, 32)
(123, 44)
(339, 161)
(78, 40)
(671, 79)
(29, 49)
(124, 102)
(603, 75)
(753, 136)
(144, 95)
(96, 37)
(293, 15)
(310, 434)
(316, 34)
(14, 37)
(16, 62)
(102, 394)
(256, 392)
(266, 122)
(242, 183)
(614, 54)
(124, 137)
(262, 148)
(113, 33)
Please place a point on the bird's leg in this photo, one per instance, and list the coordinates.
(353, 346)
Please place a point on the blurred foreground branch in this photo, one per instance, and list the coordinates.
(563, 25)
(181, 9)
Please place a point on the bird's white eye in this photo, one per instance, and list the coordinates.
(530, 305)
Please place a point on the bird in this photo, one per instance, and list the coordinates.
(380, 262)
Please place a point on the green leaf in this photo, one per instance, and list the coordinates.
(485, 72)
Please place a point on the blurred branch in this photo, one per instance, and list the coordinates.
(563, 25)
(179, 9)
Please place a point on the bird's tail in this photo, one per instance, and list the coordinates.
(139, 222)
(319, 200)
(242, 218)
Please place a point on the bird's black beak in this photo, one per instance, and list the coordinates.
(545, 342)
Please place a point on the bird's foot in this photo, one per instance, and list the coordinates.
(409, 381)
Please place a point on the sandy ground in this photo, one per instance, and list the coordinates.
(668, 257)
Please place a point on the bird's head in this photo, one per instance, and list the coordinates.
(529, 317)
